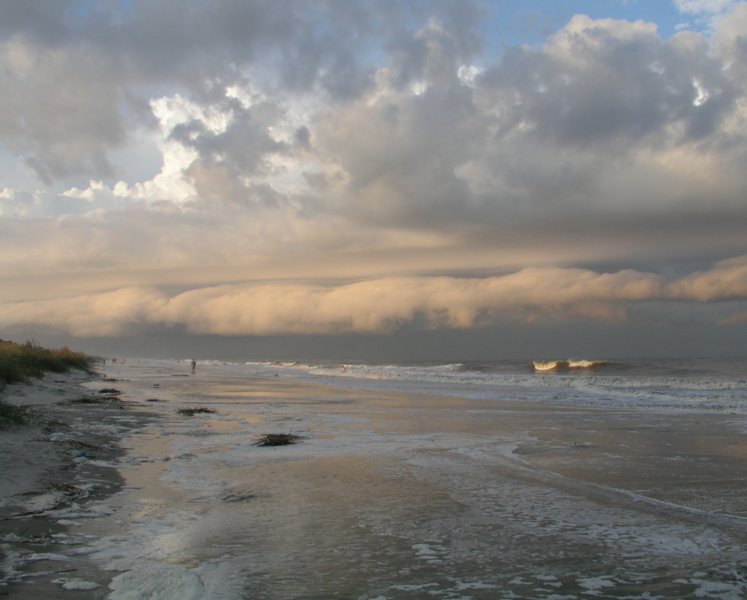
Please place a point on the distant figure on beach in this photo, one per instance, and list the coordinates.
(344, 367)
(194, 365)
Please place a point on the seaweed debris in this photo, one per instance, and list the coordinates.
(109, 391)
(196, 410)
(95, 400)
(278, 439)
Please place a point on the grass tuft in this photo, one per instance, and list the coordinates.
(12, 414)
(18, 362)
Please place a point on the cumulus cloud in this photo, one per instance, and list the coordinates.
(607, 118)
(377, 306)
(402, 138)
(613, 84)
(76, 77)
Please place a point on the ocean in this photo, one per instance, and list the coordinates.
(719, 384)
(483, 479)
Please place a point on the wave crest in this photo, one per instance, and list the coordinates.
(551, 365)
(586, 364)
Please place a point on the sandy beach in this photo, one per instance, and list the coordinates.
(389, 494)
(55, 474)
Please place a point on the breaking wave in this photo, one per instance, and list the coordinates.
(552, 365)
(586, 364)
(676, 384)
(556, 365)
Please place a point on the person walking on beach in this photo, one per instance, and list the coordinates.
(194, 365)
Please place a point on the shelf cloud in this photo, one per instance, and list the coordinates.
(379, 305)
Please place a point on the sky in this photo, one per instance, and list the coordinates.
(429, 179)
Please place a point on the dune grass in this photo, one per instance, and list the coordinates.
(18, 362)
(12, 414)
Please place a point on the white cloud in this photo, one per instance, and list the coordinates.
(705, 7)
(708, 14)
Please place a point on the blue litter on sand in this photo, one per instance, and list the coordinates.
(82, 453)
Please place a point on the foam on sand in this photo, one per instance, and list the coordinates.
(148, 579)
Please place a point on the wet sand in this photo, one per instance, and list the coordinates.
(401, 495)
(48, 490)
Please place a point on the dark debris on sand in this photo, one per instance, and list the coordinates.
(196, 410)
(278, 439)
(93, 400)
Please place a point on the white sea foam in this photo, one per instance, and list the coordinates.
(712, 385)
(76, 583)
(149, 579)
(586, 364)
(551, 365)
(573, 381)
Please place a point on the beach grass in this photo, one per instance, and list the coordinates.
(18, 362)
(12, 414)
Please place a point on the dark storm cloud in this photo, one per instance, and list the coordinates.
(59, 109)
(610, 84)
(435, 52)
(66, 69)
(241, 147)
(605, 122)
(46, 23)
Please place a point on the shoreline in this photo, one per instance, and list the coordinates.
(392, 491)
(57, 471)
(388, 492)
